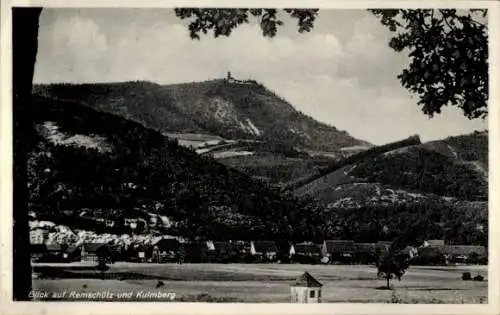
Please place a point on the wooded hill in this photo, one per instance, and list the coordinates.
(89, 166)
(435, 190)
(229, 110)
(95, 170)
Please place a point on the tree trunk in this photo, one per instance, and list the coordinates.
(388, 282)
(24, 49)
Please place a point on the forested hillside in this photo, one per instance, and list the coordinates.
(230, 110)
(437, 189)
(97, 170)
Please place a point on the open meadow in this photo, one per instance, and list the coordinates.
(254, 283)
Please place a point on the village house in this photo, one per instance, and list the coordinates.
(410, 251)
(431, 255)
(445, 254)
(266, 250)
(49, 253)
(305, 248)
(306, 289)
(433, 243)
(142, 252)
(465, 253)
(210, 245)
(227, 252)
(383, 245)
(90, 252)
(306, 253)
(243, 247)
(38, 252)
(339, 250)
(164, 249)
(198, 252)
(369, 248)
(366, 253)
(57, 253)
(74, 253)
(221, 247)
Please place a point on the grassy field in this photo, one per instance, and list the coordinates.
(271, 283)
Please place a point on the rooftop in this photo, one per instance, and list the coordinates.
(306, 280)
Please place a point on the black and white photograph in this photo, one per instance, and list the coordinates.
(251, 155)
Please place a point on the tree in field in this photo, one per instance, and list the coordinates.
(392, 264)
(448, 52)
(448, 66)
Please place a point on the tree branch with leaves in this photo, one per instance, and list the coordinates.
(223, 21)
(448, 52)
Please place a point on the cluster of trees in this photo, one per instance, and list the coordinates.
(424, 170)
(409, 222)
(472, 147)
(275, 169)
(134, 100)
(367, 154)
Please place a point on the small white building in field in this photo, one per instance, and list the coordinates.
(306, 289)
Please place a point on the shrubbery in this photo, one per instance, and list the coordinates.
(466, 276)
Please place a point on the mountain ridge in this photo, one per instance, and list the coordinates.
(452, 167)
(218, 107)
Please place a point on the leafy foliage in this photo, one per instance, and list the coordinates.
(392, 265)
(466, 276)
(408, 223)
(448, 48)
(448, 52)
(223, 21)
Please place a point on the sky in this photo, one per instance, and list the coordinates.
(342, 73)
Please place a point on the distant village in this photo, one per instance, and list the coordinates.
(63, 246)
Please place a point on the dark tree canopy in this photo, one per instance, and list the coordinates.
(223, 21)
(392, 264)
(448, 52)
